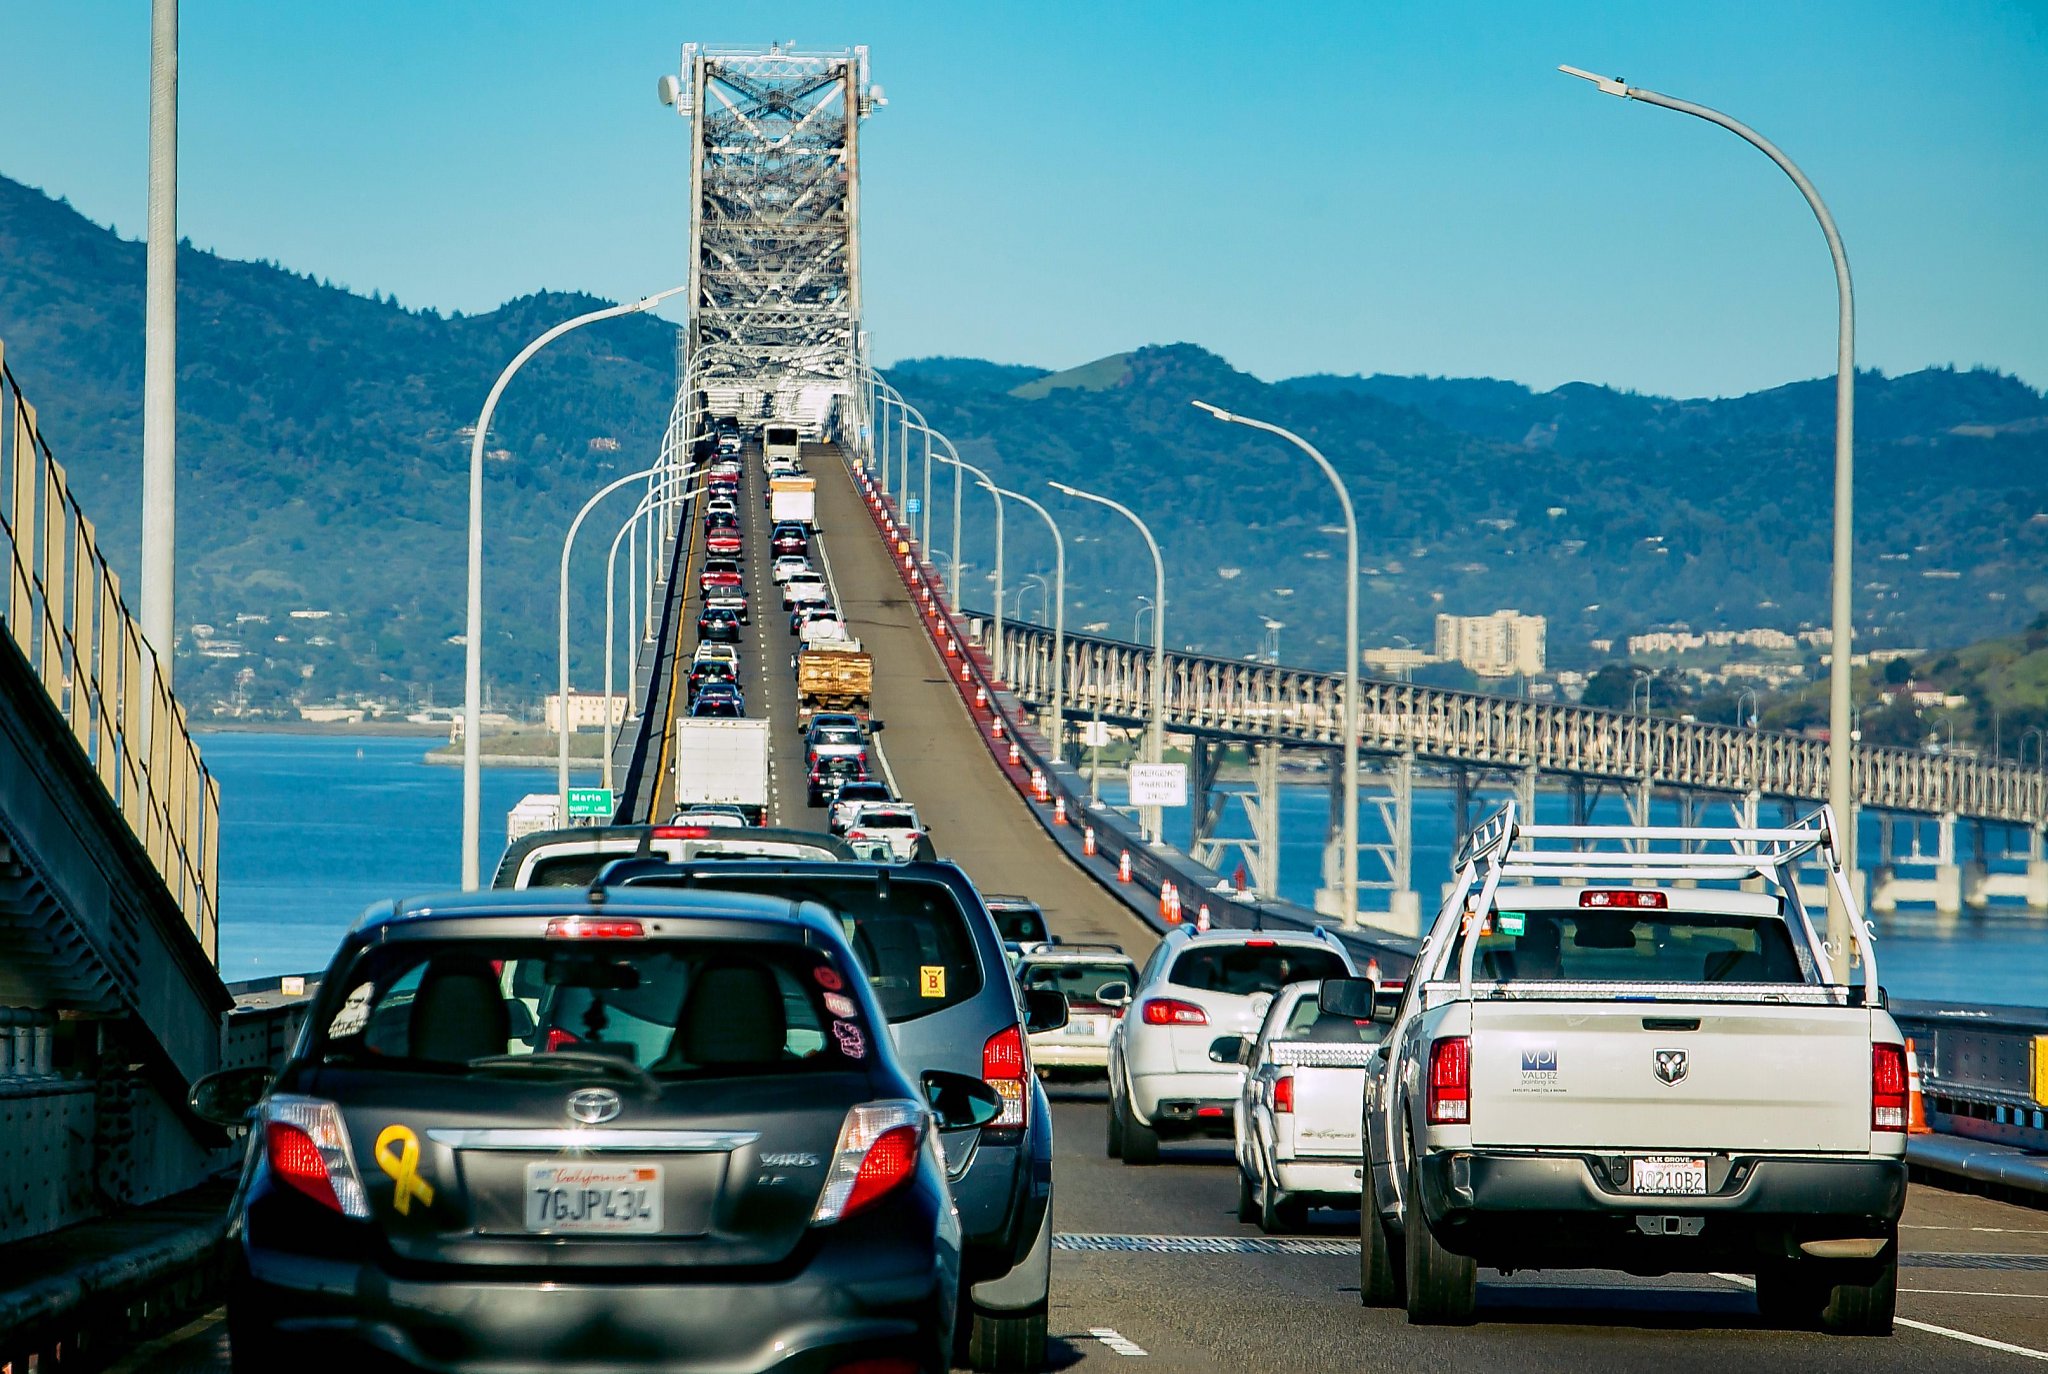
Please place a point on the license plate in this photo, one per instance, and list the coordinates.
(593, 1199)
(1086, 1027)
(1669, 1174)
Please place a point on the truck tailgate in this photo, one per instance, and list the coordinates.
(1328, 1095)
(1670, 1075)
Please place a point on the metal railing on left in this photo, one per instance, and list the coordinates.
(64, 613)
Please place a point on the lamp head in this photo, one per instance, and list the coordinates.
(1218, 411)
(1609, 85)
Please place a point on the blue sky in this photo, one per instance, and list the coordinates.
(1311, 187)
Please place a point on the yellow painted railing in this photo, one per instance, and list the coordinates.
(64, 613)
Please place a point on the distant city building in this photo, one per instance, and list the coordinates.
(1497, 645)
(586, 710)
(1397, 662)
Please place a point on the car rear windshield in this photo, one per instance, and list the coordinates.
(836, 735)
(1633, 947)
(886, 820)
(1020, 925)
(1246, 970)
(910, 935)
(1080, 982)
(1309, 1022)
(676, 1008)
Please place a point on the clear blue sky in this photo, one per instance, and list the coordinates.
(1342, 186)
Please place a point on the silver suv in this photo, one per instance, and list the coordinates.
(1197, 987)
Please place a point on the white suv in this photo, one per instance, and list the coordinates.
(1165, 1078)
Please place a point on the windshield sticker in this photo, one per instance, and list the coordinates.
(839, 1004)
(354, 1014)
(852, 1043)
(827, 979)
(931, 980)
(398, 1154)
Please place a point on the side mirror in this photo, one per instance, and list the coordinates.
(1229, 1049)
(226, 1096)
(1352, 997)
(1044, 1010)
(961, 1103)
(875, 727)
(1116, 993)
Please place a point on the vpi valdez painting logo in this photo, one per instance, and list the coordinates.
(1672, 1065)
(1540, 1059)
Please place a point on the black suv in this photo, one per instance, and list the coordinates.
(646, 1129)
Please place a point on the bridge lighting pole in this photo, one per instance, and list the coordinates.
(1746, 718)
(473, 625)
(961, 465)
(1155, 729)
(1059, 619)
(1348, 875)
(2040, 738)
(160, 347)
(611, 578)
(1841, 790)
(1138, 616)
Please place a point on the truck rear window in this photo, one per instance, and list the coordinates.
(1630, 947)
(1246, 970)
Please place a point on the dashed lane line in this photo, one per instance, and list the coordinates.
(881, 754)
(1099, 1243)
(1966, 1337)
(1117, 1341)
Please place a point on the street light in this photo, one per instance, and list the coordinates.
(925, 538)
(1272, 635)
(1034, 582)
(1348, 876)
(1155, 729)
(1841, 794)
(1749, 718)
(961, 465)
(1950, 723)
(1642, 680)
(1059, 618)
(1138, 616)
(473, 625)
(2040, 738)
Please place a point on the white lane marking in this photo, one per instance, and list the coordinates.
(1116, 1340)
(1966, 1337)
(1972, 1293)
(1101, 1243)
(881, 755)
(1986, 1230)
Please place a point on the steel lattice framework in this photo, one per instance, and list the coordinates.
(775, 226)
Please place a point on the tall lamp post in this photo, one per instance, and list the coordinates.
(1841, 793)
(962, 465)
(1059, 618)
(1155, 729)
(473, 624)
(1347, 892)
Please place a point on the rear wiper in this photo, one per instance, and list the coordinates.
(576, 1061)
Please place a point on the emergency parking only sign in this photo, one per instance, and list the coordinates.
(1159, 784)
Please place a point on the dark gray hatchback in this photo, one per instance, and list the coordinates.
(621, 1130)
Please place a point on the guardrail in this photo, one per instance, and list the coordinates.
(64, 612)
(1984, 1070)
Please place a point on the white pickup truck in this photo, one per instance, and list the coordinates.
(1624, 1048)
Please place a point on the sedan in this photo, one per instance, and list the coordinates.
(851, 795)
(642, 1128)
(788, 566)
(724, 541)
(790, 539)
(718, 626)
(889, 830)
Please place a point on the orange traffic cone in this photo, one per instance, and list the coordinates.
(1059, 810)
(1038, 789)
(1088, 840)
(1123, 865)
(1916, 1107)
(1202, 917)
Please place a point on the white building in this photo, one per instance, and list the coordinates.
(586, 710)
(1497, 645)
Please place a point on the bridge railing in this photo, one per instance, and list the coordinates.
(64, 613)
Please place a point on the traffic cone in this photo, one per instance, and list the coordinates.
(1916, 1108)
(1123, 862)
(1059, 810)
(964, 674)
(1372, 969)
(1088, 840)
(980, 692)
(1038, 789)
(995, 727)
(1202, 917)
(1016, 754)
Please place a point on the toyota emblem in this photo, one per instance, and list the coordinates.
(1671, 1065)
(593, 1106)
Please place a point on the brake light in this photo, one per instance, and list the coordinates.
(877, 1150)
(1641, 898)
(1170, 1011)
(1283, 1094)
(1002, 1065)
(307, 1149)
(1261, 944)
(682, 832)
(1450, 1081)
(1887, 1087)
(557, 1039)
(594, 928)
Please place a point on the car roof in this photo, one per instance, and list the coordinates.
(516, 853)
(1008, 899)
(649, 901)
(1060, 954)
(1313, 939)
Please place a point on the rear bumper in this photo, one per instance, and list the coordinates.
(1173, 1101)
(1333, 1178)
(1049, 1051)
(1526, 1210)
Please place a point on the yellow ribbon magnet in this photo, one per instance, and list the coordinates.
(403, 1164)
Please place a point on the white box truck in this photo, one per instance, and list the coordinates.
(793, 499)
(724, 763)
(781, 441)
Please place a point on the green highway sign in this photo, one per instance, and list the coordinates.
(587, 803)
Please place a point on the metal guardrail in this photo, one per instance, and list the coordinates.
(1984, 1070)
(63, 610)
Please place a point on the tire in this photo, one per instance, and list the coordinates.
(1113, 1145)
(1279, 1214)
(1247, 1202)
(1863, 1309)
(1006, 1340)
(1141, 1142)
(1382, 1271)
(1443, 1288)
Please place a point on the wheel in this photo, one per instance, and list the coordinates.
(1114, 1144)
(1443, 1288)
(1247, 1204)
(1863, 1309)
(1382, 1276)
(1141, 1142)
(1278, 1213)
(1006, 1340)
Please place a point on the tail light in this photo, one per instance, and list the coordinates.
(307, 1149)
(1646, 899)
(589, 928)
(1170, 1011)
(1002, 1065)
(1887, 1087)
(1283, 1094)
(558, 1039)
(682, 832)
(1450, 1081)
(877, 1149)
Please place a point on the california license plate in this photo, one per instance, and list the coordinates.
(1669, 1174)
(1086, 1027)
(593, 1199)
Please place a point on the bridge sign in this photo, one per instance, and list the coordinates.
(591, 803)
(1159, 784)
(912, 505)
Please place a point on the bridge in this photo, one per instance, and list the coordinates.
(109, 879)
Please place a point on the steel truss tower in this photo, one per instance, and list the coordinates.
(774, 322)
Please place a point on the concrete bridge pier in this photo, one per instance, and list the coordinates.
(1948, 872)
(1260, 851)
(2037, 870)
(1395, 807)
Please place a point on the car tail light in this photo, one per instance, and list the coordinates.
(1640, 898)
(1283, 1093)
(877, 1149)
(1887, 1087)
(557, 1039)
(682, 832)
(1450, 1081)
(1170, 1011)
(1261, 944)
(1003, 1067)
(307, 1149)
(594, 928)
